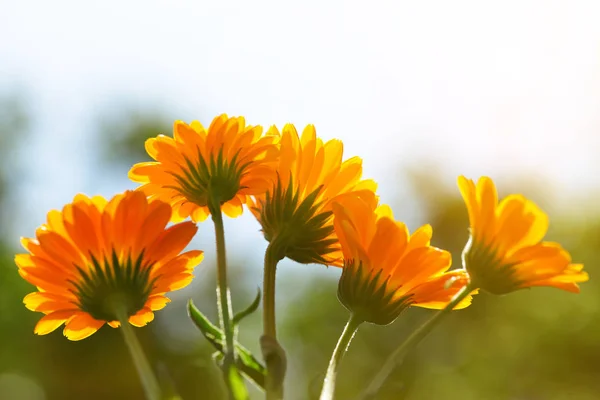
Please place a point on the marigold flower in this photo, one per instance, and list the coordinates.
(99, 258)
(296, 210)
(385, 268)
(505, 251)
(227, 163)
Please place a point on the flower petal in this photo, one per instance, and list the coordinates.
(142, 317)
(50, 322)
(81, 326)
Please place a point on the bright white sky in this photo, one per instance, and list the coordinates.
(479, 87)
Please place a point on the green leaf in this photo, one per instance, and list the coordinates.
(245, 361)
(251, 308)
(210, 331)
(236, 383)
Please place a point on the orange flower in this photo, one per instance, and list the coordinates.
(196, 168)
(387, 270)
(506, 251)
(99, 261)
(295, 213)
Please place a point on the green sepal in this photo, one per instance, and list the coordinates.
(245, 361)
(296, 227)
(249, 310)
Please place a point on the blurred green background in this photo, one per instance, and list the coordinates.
(532, 344)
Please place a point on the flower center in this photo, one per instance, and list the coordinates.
(217, 179)
(296, 228)
(108, 287)
(487, 269)
(368, 295)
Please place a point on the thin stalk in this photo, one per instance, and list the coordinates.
(149, 381)
(223, 295)
(271, 261)
(339, 352)
(273, 353)
(371, 391)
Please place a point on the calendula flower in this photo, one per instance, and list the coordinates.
(505, 251)
(99, 261)
(295, 212)
(197, 167)
(385, 268)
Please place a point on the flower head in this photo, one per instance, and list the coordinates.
(506, 251)
(295, 213)
(101, 261)
(385, 268)
(197, 167)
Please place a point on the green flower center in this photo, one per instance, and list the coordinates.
(369, 296)
(487, 269)
(295, 228)
(217, 180)
(105, 288)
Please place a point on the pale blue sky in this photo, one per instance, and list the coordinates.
(479, 87)
(498, 88)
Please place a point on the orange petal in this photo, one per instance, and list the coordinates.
(142, 317)
(436, 294)
(59, 248)
(157, 302)
(184, 262)
(43, 284)
(512, 225)
(388, 244)
(567, 286)
(81, 326)
(420, 238)
(348, 176)
(50, 322)
(83, 232)
(136, 214)
(29, 244)
(172, 283)
(487, 198)
(157, 218)
(468, 192)
(171, 241)
(538, 227)
(184, 210)
(47, 302)
(200, 214)
(32, 300)
(47, 279)
(420, 265)
(233, 208)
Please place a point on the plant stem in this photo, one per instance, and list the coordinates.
(223, 295)
(273, 353)
(371, 391)
(339, 352)
(271, 261)
(149, 381)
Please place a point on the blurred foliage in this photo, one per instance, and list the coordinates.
(122, 135)
(14, 126)
(534, 344)
(14, 121)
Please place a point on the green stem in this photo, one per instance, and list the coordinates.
(414, 339)
(271, 261)
(273, 353)
(149, 381)
(340, 349)
(223, 296)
